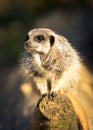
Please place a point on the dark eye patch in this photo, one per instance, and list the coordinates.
(52, 40)
(39, 38)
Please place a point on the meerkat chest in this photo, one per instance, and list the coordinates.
(49, 60)
(46, 65)
(36, 57)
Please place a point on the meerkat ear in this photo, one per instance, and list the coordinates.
(52, 40)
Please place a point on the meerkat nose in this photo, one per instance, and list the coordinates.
(27, 44)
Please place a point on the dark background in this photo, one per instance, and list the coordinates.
(71, 18)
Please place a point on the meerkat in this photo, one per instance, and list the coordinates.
(53, 65)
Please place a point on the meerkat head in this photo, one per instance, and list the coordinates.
(39, 40)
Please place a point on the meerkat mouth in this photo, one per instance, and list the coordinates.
(31, 49)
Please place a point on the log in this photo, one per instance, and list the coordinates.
(55, 113)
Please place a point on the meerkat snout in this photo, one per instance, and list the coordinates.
(27, 44)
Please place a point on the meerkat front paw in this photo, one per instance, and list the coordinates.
(52, 95)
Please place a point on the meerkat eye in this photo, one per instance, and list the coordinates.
(52, 40)
(39, 38)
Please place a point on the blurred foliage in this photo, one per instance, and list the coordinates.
(18, 16)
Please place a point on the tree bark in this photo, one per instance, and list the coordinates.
(55, 113)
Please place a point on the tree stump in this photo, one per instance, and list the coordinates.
(55, 114)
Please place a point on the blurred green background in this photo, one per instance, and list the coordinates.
(71, 18)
